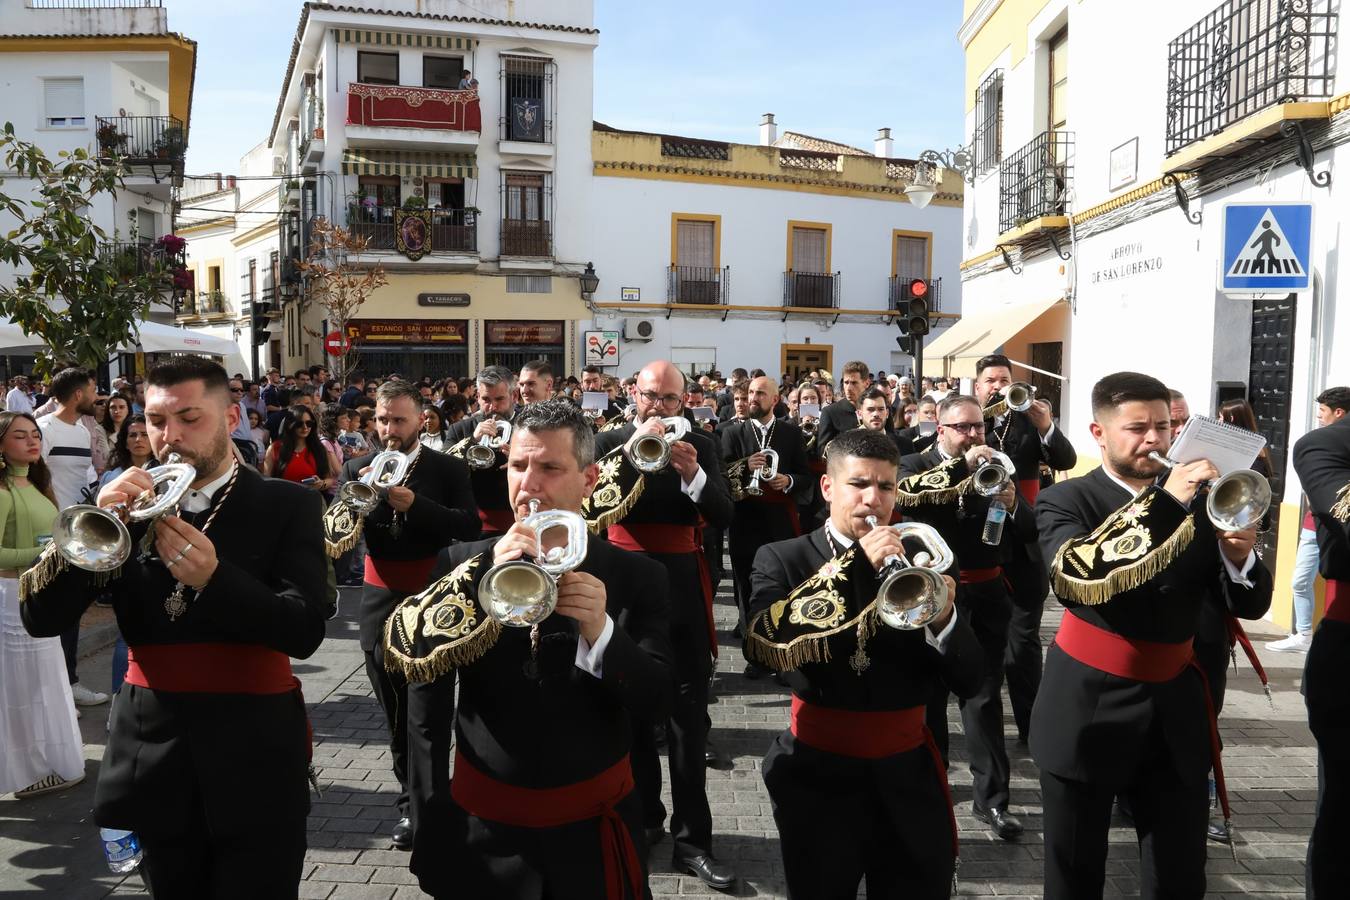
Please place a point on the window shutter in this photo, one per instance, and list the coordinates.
(64, 101)
(694, 244)
(808, 250)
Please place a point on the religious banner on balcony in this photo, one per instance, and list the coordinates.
(527, 119)
(411, 230)
(404, 106)
(407, 331)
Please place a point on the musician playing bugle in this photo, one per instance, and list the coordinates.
(540, 802)
(858, 789)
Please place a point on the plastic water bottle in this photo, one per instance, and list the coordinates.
(993, 523)
(121, 848)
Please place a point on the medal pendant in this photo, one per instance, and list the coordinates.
(175, 605)
(395, 528)
(859, 661)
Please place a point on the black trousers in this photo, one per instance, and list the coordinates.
(686, 743)
(986, 607)
(1324, 680)
(1169, 818)
(1025, 656)
(391, 690)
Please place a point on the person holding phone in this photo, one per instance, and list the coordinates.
(298, 455)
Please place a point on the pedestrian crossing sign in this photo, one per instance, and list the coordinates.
(1266, 247)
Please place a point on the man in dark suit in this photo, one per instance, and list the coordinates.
(858, 791)
(548, 716)
(416, 519)
(842, 415)
(1122, 708)
(208, 750)
(664, 523)
(1028, 438)
(771, 515)
(962, 517)
(496, 404)
(1322, 461)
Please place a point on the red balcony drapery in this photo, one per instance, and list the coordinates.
(401, 106)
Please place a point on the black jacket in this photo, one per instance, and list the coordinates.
(489, 485)
(1322, 461)
(741, 439)
(839, 416)
(662, 499)
(1022, 443)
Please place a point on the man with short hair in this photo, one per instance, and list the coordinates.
(496, 404)
(67, 449)
(208, 750)
(306, 395)
(536, 382)
(17, 400)
(356, 388)
(413, 522)
(1179, 409)
(842, 415)
(271, 400)
(547, 713)
(1122, 708)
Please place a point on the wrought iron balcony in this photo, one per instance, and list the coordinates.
(452, 230)
(1034, 181)
(526, 237)
(898, 283)
(142, 140)
(1244, 56)
(818, 290)
(206, 305)
(404, 106)
(698, 284)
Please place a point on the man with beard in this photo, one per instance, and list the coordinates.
(1028, 438)
(665, 523)
(416, 519)
(1122, 708)
(960, 516)
(540, 803)
(496, 404)
(535, 382)
(842, 415)
(772, 514)
(207, 750)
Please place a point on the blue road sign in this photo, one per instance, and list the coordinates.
(1266, 247)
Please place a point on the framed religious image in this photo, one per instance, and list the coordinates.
(411, 232)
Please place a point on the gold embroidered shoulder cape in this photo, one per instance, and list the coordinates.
(1134, 544)
(738, 476)
(620, 486)
(341, 528)
(940, 484)
(1341, 508)
(442, 628)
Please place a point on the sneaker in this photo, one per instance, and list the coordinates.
(1295, 643)
(49, 785)
(85, 697)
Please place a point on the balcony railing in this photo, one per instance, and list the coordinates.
(206, 305)
(142, 139)
(898, 283)
(1244, 56)
(452, 230)
(1034, 181)
(818, 290)
(526, 237)
(698, 284)
(131, 259)
(402, 106)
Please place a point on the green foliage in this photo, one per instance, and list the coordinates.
(82, 295)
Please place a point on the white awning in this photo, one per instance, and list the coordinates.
(956, 350)
(13, 339)
(157, 338)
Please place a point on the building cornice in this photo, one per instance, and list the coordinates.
(982, 13)
(253, 234)
(759, 180)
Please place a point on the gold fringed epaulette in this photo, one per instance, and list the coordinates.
(797, 629)
(341, 529)
(737, 475)
(619, 488)
(941, 484)
(613, 424)
(440, 629)
(1341, 508)
(1133, 545)
(49, 565)
(997, 408)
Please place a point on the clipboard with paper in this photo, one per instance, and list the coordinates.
(1228, 447)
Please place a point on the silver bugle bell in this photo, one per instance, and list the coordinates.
(522, 593)
(1237, 501)
(1019, 396)
(808, 427)
(650, 453)
(767, 472)
(912, 596)
(484, 453)
(96, 539)
(387, 469)
(993, 474)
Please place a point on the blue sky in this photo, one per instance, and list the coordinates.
(703, 68)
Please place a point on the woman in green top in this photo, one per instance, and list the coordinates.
(40, 746)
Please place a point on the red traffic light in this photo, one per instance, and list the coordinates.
(918, 288)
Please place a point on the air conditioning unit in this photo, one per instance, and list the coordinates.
(638, 329)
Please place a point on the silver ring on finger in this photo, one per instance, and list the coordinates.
(179, 558)
(171, 563)
(187, 548)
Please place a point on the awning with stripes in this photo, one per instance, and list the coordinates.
(399, 39)
(356, 161)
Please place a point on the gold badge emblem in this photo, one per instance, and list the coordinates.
(607, 496)
(823, 609)
(452, 617)
(1130, 544)
(935, 478)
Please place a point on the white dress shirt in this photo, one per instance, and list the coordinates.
(195, 500)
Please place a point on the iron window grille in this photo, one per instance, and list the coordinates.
(988, 138)
(1035, 181)
(698, 284)
(1244, 56)
(526, 212)
(527, 99)
(817, 290)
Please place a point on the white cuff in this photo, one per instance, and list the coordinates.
(939, 641)
(1239, 576)
(694, 489)
(1045, 438)
(591, 657)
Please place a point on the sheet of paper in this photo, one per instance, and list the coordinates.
(701, 412)
(1228, 447)
(808, 409)
(595, 400)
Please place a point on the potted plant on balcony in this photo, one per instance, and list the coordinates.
(110, 139)
(471, 214)
(416, 201)
(171, 143)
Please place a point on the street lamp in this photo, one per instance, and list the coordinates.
(923, 185)
(590, 282)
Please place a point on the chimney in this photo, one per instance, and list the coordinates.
(885, 147)
(768, 131)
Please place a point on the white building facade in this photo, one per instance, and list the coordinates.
(1093, 235)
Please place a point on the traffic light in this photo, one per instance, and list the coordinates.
(915, 297)
(260, 322)
(907, 344)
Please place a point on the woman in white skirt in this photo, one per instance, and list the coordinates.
(40, 746)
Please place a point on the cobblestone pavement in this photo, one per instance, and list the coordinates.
(50, 844)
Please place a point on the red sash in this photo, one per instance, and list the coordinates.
(403, 576)
(671, 539)
(1337, 596)
(483, 796)
(870, 734)
(496, 521)
(210, 669)
(979, 576)
(1030, 489)
(1238, 635)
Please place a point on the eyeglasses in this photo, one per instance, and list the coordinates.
(236, 390)
(965, 427)
(653, 397)
(304, 423)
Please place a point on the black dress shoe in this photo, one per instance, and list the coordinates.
(1004, 824)
(403, 834)
(655, 834)
(1218, 833)
(713, 759)
(711, 872)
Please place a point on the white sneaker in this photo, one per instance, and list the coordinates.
(50, 784)
(1295, 643)
(85, 697)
